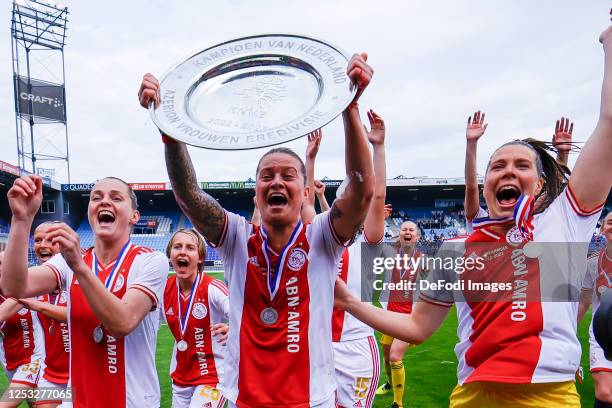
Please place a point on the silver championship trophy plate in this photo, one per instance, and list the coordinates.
(254, 92)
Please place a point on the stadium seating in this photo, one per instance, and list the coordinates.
(4, 227)
(167, 224)
(436, 225)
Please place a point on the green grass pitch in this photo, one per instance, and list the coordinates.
(430, 368)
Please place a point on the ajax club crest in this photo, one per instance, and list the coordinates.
(297, 259)
(199, 311)
(118, 283)
(514, 236)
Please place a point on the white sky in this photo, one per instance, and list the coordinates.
(525, 63)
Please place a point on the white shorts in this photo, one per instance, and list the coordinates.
(597, 360)
(48, 385)
(201, 396)
(27, 374)
(357, 368)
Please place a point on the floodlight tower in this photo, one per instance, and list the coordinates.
(38, 33)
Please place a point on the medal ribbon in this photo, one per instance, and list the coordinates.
(274, 280)
(404, 270)
(480, 223)
(523, 218)
(184, 320)
(112, 276)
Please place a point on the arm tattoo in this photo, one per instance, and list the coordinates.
(204, 211)
(335, 213)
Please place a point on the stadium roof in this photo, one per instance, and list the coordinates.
(250, 184)
(8, 173)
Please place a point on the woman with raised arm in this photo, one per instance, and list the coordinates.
(113, 291)
(518, 352)
(562, 139)
(312, 149)
(474, 130)
(196, 307)
(280, 275)
(561, 142)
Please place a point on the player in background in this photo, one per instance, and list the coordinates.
(280, 275)
(474, 130)
(315, 187)
(114, 289)
(319, 189)
(51, 310)
(196, 307)
(400, 301)
(312, 149)
(598, 279)
(529, 354)
(21, 345)
(561, 141)
(356, 355)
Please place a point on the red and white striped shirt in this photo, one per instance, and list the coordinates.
(401, 300)
(345, 326)
(22, 342)
(280, 329)
(57, 342)
(520, 339)
(202, 362)
(117, 372)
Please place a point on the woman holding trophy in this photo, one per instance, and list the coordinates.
(280, 275)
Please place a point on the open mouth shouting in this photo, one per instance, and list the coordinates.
(507, 196)
(407, 237)
(44, 254)
(182, 263)
(277, 200)
(106, 218)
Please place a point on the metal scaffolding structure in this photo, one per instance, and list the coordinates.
(38, 34)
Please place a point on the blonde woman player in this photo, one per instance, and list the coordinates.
(51, 310)
(114, 289)
(196, 307)
(518, 353)
(400, 301)
(21, 346)
(597, 280)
